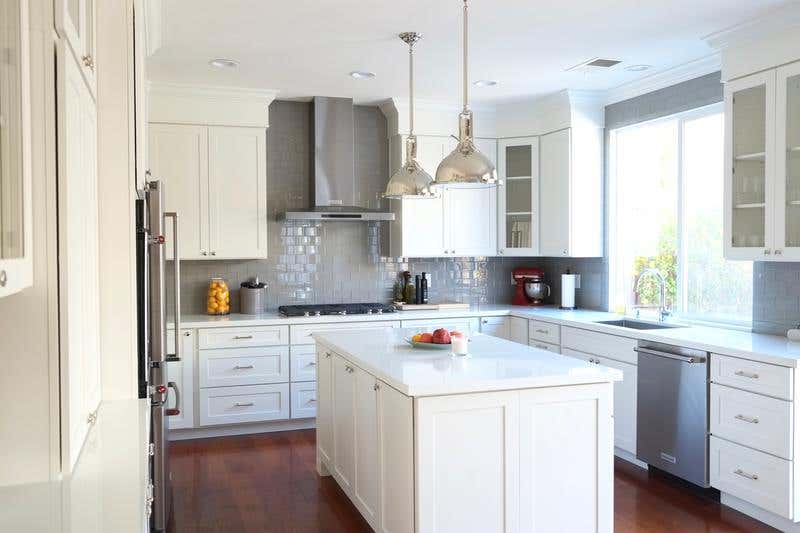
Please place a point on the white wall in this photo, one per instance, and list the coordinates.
(28, 328)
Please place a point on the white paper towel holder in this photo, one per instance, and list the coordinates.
(569, 282)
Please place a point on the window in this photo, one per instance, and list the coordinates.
(666, 201)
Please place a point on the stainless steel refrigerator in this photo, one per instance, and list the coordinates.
(153, 352)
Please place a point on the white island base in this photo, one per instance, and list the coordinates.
(513, 439)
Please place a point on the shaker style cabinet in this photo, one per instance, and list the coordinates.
(75, 21)
(518, 197)
(216, 180)
(762, 166)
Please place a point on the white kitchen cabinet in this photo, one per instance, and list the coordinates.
(304, 399)
(78, 258)
(518, 197)
(418, 228)
(344, 424)
(228, 367)
(570, 196)
(466, 325)
(366, 488)
(496, 326)
(216, 180)
(182, 374)
(787, 164)
(324, 407)
(75, 21)
(243, 404)
(396, 461)
(518, 329)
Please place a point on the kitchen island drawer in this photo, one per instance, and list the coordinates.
(237, 405)
(236, 337)
(545, 332)
(763, 378)
(555, 348)
(602, 344)
(756, 421)
(301, 334)
(304, 400)
(244, 366)
(303, 363)
(756, 477)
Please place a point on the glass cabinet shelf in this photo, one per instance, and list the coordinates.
(756, 156)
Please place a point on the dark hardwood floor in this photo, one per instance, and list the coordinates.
(268, 483)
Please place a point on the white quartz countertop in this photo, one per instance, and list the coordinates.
(105, 491)
(493, 364)
(755, 346)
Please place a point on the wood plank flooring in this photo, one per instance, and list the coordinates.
(268, 483)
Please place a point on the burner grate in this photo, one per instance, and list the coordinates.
(335, 309)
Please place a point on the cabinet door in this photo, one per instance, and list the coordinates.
(518, 330)
(396, 461)
(749, 166)
(237, 200)
(344, 431)
(495, 326)
(470, 221)
(325, 405)
(518, 197)
(366, 486)
(179, 157)
(422, 227)
(580, 465)
(182, 374)
(75, 21)
(554, 201)
(624, 405)
(787, 182)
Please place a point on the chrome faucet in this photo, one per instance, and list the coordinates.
(663, 313)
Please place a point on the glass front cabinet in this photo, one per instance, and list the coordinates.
(518, 196)
(762, 185)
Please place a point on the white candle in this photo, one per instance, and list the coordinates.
(460, 344)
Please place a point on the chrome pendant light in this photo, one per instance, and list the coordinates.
(410, 180)
(466, 164)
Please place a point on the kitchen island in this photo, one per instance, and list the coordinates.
(509, 438)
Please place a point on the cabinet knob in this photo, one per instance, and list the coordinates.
(349, 369)
(778, 252)
(767, 251)
(88, 61)
(3, 278)
(376, 387)
(327, 355)
(213, 253)
(203, 252)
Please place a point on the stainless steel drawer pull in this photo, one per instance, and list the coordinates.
(742, 373)
(750, 419)
(243, 367)
(312, 400)
(312, 363)
(740, 472)
(242, 337)
(542, 331)
(244, 404)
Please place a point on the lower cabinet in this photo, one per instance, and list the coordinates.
(496, 326)
(518, 329)
(344, 424)
(555, 348)
(304, 399)
(325, 405)
(248, 403)
(624, 398)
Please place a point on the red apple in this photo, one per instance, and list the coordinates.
(441, 336)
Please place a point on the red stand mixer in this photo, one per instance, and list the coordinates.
(531, 288)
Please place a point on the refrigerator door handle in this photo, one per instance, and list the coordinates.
(176, 263)
(177, 409)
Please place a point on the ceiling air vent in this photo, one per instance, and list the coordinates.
(594, 64)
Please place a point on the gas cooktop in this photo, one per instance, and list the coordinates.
(335, 309)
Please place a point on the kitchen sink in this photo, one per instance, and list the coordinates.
(638, 324)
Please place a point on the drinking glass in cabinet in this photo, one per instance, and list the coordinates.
(518, 196)
(792, 221)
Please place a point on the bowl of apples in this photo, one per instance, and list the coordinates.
(440, 339)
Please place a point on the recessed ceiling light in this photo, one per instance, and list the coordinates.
(637, 68)
(223, 62)
(362, 75)
(484, 83)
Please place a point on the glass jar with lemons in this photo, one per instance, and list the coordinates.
(219, 297)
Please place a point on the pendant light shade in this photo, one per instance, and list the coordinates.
(410, 180)
(466, 164)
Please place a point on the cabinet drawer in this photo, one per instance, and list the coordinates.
(301, 334)
(751, 419)
(762, 378)
(496, 326)
(555, 348)
(244, 366)
(602, 344)
(236, 405)
(759, 478)
(545, 332)
(304, 400)
(239, 337)
(303, 363)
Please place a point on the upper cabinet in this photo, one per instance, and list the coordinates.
(16, 230)
(518, 196)
(762, 166)
(75, 22)
(215, 175)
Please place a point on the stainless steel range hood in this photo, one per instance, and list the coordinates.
(335, 188)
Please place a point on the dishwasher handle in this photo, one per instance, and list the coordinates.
(658, 353)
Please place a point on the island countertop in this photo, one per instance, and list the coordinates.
(493, 364)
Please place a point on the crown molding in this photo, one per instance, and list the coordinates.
(777, 20)
(665, 78)
(211, 91)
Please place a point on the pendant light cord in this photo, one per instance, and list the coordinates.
(411, 89)
(466, 77)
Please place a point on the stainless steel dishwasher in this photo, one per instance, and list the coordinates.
(672, 410)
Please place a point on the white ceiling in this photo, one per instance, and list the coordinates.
(304, 48)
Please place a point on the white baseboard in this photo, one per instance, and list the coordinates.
(241, 429)
(762, 515)
(631, 458)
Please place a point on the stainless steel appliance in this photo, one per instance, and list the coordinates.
(531, 288)
(335, 309)
(151, 245)
(252, 297)
(672, 410)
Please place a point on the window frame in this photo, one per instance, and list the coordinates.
(615, 275)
